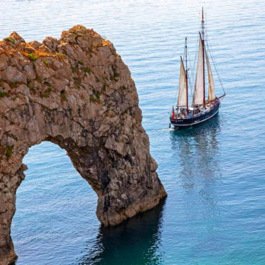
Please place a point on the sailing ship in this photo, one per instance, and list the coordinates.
(202, 109)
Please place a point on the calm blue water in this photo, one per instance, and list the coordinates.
(214, 175)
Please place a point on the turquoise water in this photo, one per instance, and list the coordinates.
(214, 174)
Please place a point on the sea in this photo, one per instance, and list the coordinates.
(214, 174)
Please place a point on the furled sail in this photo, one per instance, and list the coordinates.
(211, 88)
(198, 90)
(182, 98)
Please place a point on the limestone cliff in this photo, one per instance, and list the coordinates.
(75, 92)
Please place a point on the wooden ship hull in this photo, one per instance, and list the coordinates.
(193, 119)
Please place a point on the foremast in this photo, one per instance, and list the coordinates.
(203, 55)
(183, 96)
(186, 74)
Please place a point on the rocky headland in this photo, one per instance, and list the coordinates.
(77, 93)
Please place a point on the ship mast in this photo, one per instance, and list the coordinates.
(203, 55)
(186, 73)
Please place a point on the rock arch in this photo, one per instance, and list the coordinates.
(75, 92)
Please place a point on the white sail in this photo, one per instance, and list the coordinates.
(182, 98)
(211, 88)
(198, 90)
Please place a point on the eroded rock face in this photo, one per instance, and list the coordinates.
(75, 92)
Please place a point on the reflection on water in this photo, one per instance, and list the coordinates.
(197, 149)
(136, 242)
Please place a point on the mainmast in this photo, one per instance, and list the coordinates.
(203, 55)
(186, 74)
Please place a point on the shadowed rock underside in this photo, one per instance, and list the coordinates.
(77, 93)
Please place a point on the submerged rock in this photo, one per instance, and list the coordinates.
(75, 92)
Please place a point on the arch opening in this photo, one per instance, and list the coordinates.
(55, 208)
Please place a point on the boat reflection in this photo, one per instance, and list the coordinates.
(198, 152)
(197, 148)
(136, 242)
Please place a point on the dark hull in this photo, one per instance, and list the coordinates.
(196, 119)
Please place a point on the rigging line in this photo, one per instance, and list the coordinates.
(193, 68)
(190, 71)
(215, 68)
(176, 90)
(190, 79)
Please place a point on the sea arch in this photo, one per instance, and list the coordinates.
(77, 93)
